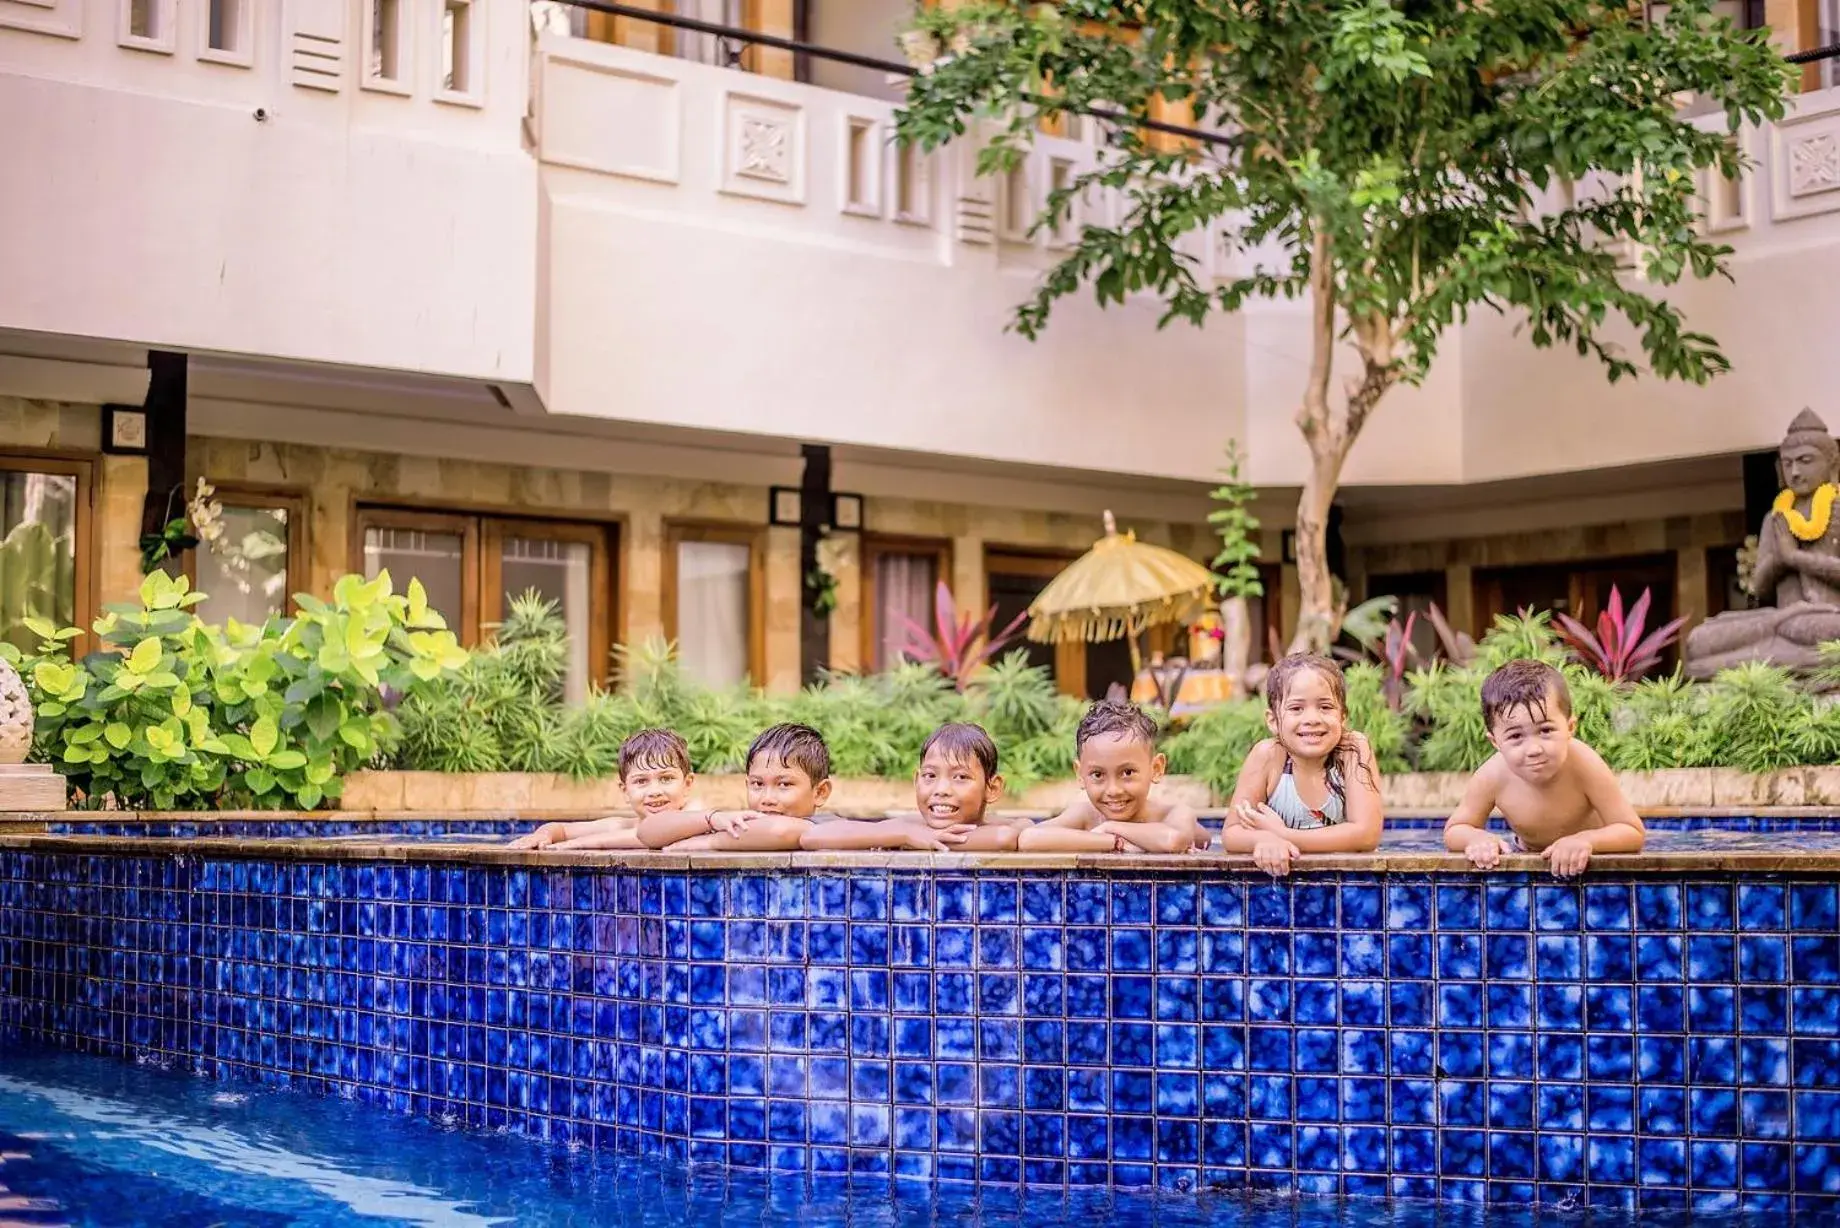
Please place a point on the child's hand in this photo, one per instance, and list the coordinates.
(542, 838)
(731, 822)
(1274, 854)
(1259, 817)
(1484, 851)
(1569, 855)
(927, 840)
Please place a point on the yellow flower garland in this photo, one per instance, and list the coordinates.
(1813, 527)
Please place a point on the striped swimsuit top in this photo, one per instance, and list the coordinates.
(1299, 815)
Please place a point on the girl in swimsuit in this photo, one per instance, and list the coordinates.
(1312, 786)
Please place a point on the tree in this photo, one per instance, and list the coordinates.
(1382, 160)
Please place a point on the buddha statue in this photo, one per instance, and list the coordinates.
(1797, 568)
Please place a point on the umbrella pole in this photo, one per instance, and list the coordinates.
(1137, 657)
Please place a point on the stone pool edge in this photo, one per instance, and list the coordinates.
(434, 851)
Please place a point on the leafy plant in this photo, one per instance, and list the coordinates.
(957, 645)
(1618, 650)
(1382, 162)
(1236, 567)
(1457, 646)
(175, 712)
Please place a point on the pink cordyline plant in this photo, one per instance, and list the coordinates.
(956, 645)
(1618, 650)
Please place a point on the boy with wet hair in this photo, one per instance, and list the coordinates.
(655, 776)
(1559, 797)
(1117, 762)
(954, 787)
(788, 781)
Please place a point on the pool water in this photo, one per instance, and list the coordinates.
(93, 1141)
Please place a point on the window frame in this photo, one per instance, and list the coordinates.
(482, 532)
(677, 532)
(1043, 563)
(460, 524)
(254, 495)
(84, 573)
(493, 530)
(874, 547)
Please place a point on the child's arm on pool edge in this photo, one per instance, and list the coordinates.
(1466, 830)
(1622, 831)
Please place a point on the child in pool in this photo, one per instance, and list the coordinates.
(1559, 797)
(788, 781)
(656, 777)
(1312, 787)
(1117, 763)
(954, 787)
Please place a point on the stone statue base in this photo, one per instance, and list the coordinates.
(31, 786)
(1786, 637)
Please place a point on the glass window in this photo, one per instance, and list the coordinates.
(563, 572)
(905, 585)
(436, 558)
(714, 608)
(245, 574)
(39, 513)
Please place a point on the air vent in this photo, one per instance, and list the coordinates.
(316, 44)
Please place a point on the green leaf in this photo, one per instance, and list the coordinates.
(146, 654)
(263, 737)
(118, 735)
(286, 760)
(308, 797)
(259, 780)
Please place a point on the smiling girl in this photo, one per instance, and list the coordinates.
(1312, 786)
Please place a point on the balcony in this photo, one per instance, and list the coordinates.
(606, 232)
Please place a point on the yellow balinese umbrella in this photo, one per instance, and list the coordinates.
(1119, 587)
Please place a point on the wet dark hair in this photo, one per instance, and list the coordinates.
(798, 746)
(1279, 678)
(960, 742)
(1115, 716)
(1524, 684)
(654, 748)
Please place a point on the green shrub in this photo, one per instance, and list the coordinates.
(176, 713)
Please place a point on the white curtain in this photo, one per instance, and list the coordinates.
(712, 611)
(904, 586)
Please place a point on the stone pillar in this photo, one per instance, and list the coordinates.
(1460, 598)
(643, 616)
(772, 17)
(969, 590)
(847, 618)
(784, 605)
(119, 505)
(1795, 25)
(1690, 584)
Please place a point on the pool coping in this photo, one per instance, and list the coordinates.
(437, 852)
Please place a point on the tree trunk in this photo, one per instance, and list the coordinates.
(1316, 613)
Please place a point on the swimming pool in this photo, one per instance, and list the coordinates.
(89, 1141)
(1664, 1034)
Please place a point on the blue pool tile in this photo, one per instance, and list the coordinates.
(1659, 957)
(1558, 957)
(1555, 908)
(1709, 907)
(1713, 1111)
(1659, 906)
(1763, 1010)
(1223, 905)
(1459, 907)
(1816, 959)
(1713, 1166)
(1408, 906)
(1814, 907)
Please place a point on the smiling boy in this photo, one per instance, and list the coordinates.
(1117, 763)
(788, 781)
(1558, 795)
(954, 787)
(655, 775)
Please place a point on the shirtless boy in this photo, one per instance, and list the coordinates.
(1117, 762)
(788, 781)
(1557, 794)
(954, 788)
(655, 775)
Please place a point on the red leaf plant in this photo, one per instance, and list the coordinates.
(956, 645)
(1619, 651)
